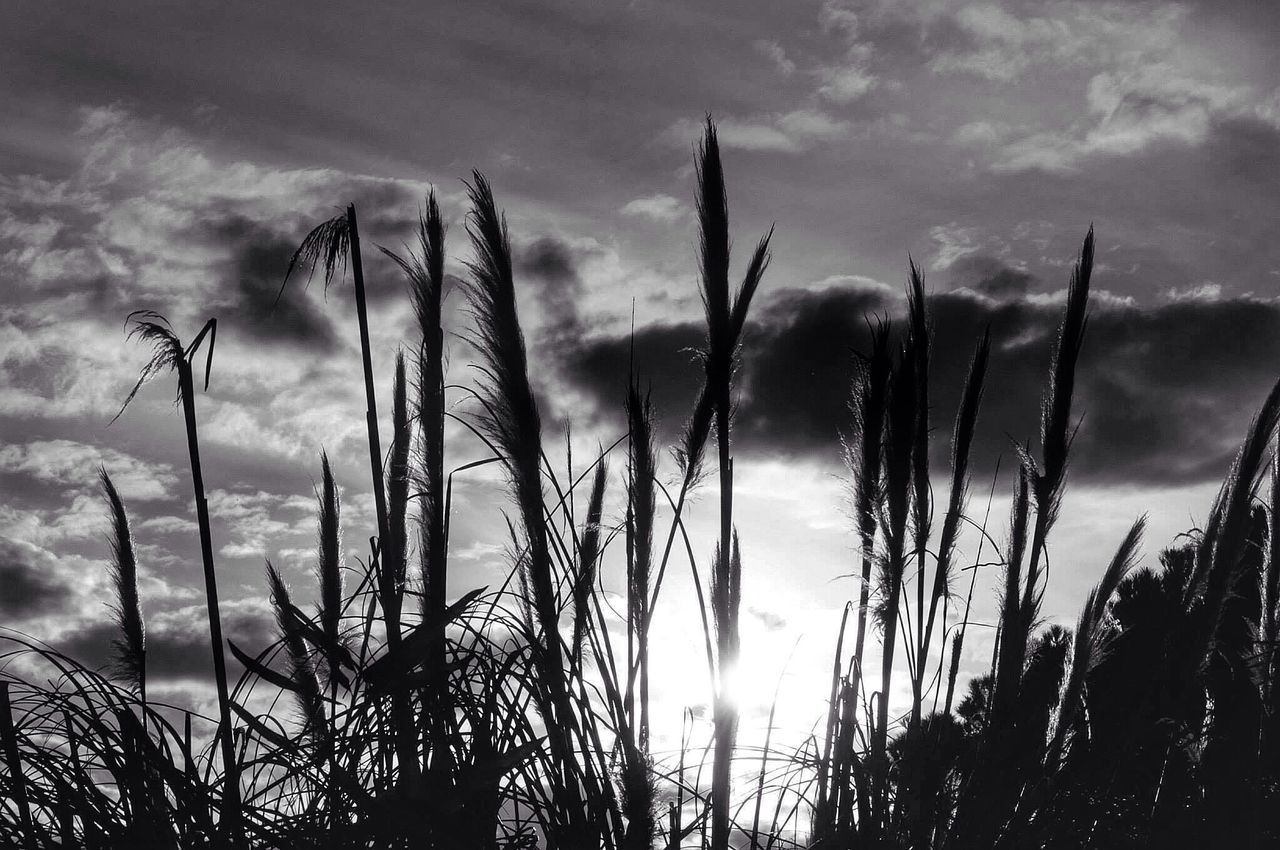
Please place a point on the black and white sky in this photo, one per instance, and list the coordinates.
(169, 156)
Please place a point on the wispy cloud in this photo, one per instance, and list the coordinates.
(661, 208)
(849, 76)
(1132, 111)
(790, 132)
(75, 465)
(774, 52)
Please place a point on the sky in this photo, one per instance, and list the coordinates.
(170, 156)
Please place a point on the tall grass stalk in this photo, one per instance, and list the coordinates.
(424, 270)
(921, 501)
(512, 423)
(957, 645)
(332, 245)
(302, 673)
(168, 354)
(329, 573)
(899, 443)
(1056, 428)
(392, 567)
(641, 511)
(131, 646)
(726, 316)
(957, 502)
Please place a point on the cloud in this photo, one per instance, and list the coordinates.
(168, 525)
(1004, 42)
(661, 208)
(252, 518)
(549, 260)
(72, 464)
(836, 16)
(990, 276)
(846, 83)
(812, 125)
(1132, 112)
(849, 77)
(979, 134)
(261, 308)
(148, 216)
(1207, 291)
(178, 645)
(662, 355)
(84, 517)
(1165, 392)
(774, 52)
(998, 45)
(31, 585)
(783, 132)
(770, 620)
(953, 241)
(1108, 79)
(551, 265)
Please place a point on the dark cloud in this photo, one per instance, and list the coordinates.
(29, 582)
(798, 365)
(550, 267)
(550, 282)
(550, 260)
(261, 253)
(663, 358)
(99, 294)
(387, 216)
(989, 276)
(1170, 391)
(382, 207)
(178, 642)
(1165, 392)
(257, 306)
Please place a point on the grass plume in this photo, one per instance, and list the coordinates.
(131, 646)
(329, 566)
(302, 671)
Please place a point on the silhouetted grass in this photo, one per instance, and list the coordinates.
(520, 716)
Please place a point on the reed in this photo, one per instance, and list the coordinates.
(726, 316)
(899, 442)
(329, 570)
(131, 646)
(423, 268)
(957, 503)
(330, 245)
(642, 465)
(168, 354)
(1056, 428)
(302, 674)
(513, 425)
(921, 499)
(588, 564)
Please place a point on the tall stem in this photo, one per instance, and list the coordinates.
(726, 713)
(13, 761)
(879, 737)
(231, 781)
(371, 414)
(437, 579)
